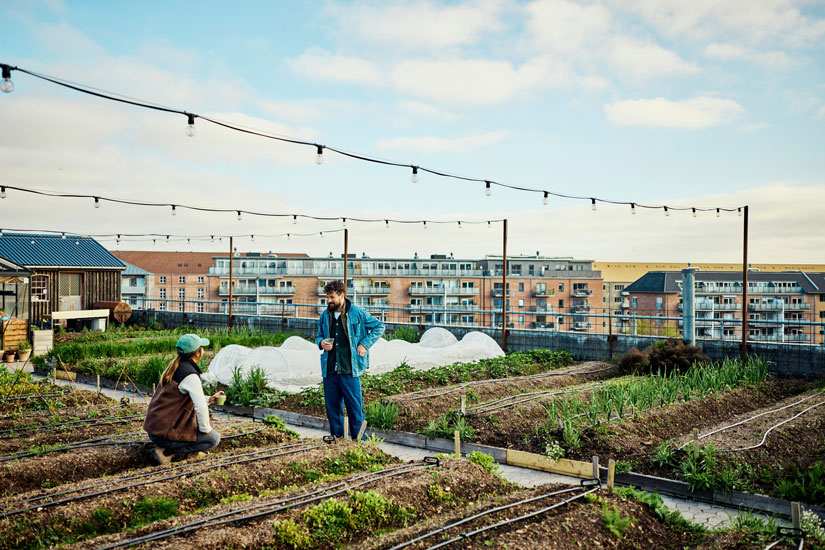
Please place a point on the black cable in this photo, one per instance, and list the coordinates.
(320, 148)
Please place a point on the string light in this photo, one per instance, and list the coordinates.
(344, 223)
(294, 219)
(489, 225)
(239, 215)
(321, 233)
(593, 204)
(739, 210)
(32, 241)
(425, 224)
(319, 158)
(633, 208)
(667, 212)
(459, 225)
(414, 177)
(97, 202)
(8, 85)
(252, 237)
(174, 212)
(546, 199)
(694, 212)
(190, 127)
(63, 236)
(387, 224)
(717, 213)
(77, 241)
(1, 231)
(488, 191)
(2, 192)
(118, 238)
(288, 237)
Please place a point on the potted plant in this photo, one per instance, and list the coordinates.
(8, 356)
(24, 349)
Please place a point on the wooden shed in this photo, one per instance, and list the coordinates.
(68, 273)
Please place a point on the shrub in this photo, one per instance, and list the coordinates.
(408, 334)
(634, 361)
(672, 355)
(381, 415)
(292, 535)
(485, 461)
(329, 519)
(242, 389)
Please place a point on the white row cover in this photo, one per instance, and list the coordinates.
(296, 363)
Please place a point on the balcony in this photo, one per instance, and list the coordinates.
(798, 307)
(277, 309)
(581, 326)
(498, 293)
(441, 291)
(238, 291)
(581, 309)
(544, 293)
(127, 289)
(796, 338)
(769, 306)
(701, 289)
(277, 290)
(581, 293)
(542, 309)
(371, 291)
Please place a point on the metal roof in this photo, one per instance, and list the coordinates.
(134, 270)
(35, 250)
(667, 282)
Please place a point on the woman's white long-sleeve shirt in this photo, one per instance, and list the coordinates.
(191, 385)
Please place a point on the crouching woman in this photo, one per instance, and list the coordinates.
(177, 419)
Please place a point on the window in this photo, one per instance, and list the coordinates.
(521, 287)
(658, 302)
(182, 280)
(40, 288)
(162, 306)
(200, 294)
(633, 302)
(561, 304)
(181, 294)
(200, 279)
(561, 287)
(521, 319)
(521, 304)
(200, 308)
(162, 279)
(162, 293)
(132, 281)
(181, 306)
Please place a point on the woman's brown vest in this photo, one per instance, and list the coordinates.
(171, 415)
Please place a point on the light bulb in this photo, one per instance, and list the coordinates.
(667, 212)
(118, 239)
(2, 192)
(593, 205)
(174, 212)
(253, 238)
(459, 225)
(319, 155)
(154, 241)
(239, 215)
(294, 219)
(8, 85)
(77, 241)
(190, 127)
(545, 200)
(414, 177)
(344, 223)
(321, 233)
(718, 213)
(739, 210)
(632, 207)
(97, 202)
(425, 225)
(63, 236)
(488, 191)
(387, 224)
(32, 241)
(212, 238)
(1, 232)
(288, 237)
(694, 212)
(167, 238)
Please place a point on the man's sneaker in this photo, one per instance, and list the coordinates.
(160, 457)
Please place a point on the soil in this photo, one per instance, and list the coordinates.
(417, 413)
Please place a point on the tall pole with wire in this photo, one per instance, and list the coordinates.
(744, 350)
(346, 257)
(231, 256)
(504, 293)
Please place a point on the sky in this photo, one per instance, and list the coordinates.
(708, 103)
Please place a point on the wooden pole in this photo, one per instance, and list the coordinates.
(504, 292)
(611, 473)
(463, 404)
(362, 430)
(346, 258)
(744, 351)
(346, 426)
(457, 441)
(231, 263)
(795, 519)
(595, 467)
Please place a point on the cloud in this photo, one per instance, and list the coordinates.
(699, 112)
(409, 25)
(820, 114)
(432, 144)
(566, 26)
(638, 59)
(733, 52)
(319, 64)
(419, 109)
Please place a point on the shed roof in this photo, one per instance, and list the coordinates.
(38, 250)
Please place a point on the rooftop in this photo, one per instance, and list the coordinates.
(37, 250)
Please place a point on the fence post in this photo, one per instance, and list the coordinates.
(457, 441)
(595, 467)
(611, 473)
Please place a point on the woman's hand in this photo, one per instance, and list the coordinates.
(214, 397)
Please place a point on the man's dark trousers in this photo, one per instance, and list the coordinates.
(340, 390)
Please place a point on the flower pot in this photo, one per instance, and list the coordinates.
(23, 355)
(8, 357)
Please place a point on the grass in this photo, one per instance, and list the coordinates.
(150, 510)
(245, 388)
(382, 415)
(446, 425)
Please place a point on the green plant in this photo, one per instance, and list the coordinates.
(444, 427)
(671, 518)
(382, 415)
(149, 372)
(24, 346)
(664, 453)
(99, 522)
(406, 333)
(292, 535)
(749, 522)
(614, 522)
(812, 526)
(244, 388)
(485, 461)
(150, 510)
(570, 433)
(623, 466)
(329, 519)
(807, 485)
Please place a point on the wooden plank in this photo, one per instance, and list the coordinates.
(611, 473)
(66, 375)
(81, 314)
(562, 466)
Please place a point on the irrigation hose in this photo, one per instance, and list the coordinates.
(153, 472)
(56, 411)
(753, 418)
(502, 523)
(485, 408)
(283, 504)
(158, 480)
(89, 423)
(476, 516)
(765, 436)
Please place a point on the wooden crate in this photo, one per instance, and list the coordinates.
(14, 331)
(43, 341)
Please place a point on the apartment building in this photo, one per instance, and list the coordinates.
(174, 279)
(136, 285)
(543, 293)
(781, 305)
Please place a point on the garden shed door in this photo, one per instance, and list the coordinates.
(70, 292)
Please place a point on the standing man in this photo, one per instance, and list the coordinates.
(345, 334)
